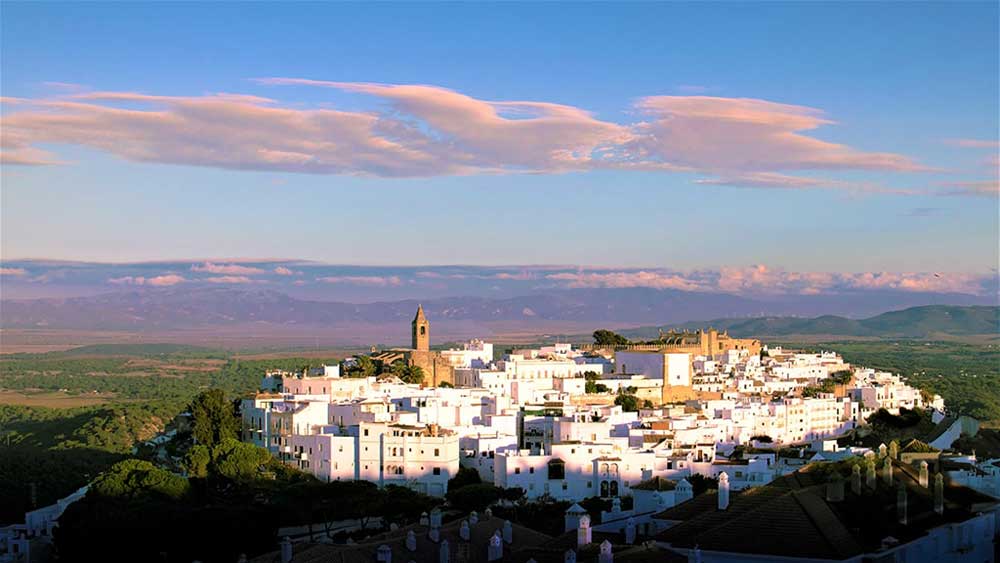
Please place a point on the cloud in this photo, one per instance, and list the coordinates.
(747, 141)
(13, 272)
(432, 131)
(157, 281)
(763, 280)
(985, 188)
(656, 280)
(372, 281)
(232, 269)
(283, 271)
(231, 279)
(974, 143)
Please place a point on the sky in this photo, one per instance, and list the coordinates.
(846, 138)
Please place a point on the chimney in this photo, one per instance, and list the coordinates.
(494, 551)
(894, 450)
(630, 531)
(887, 471)
(508, 532)
(286, 550)
(835, 488)
(383, 554)
(882, 450)
(901, 504)
(463, 530)
(856, 479)
(925, 475)
(939, 493)
(424, 519)
(870, 477)
(723, 491)
(411, 541)
(569, 556)
(473, 518)
(443, 553)
(435, 519)
(583, 533)
(605, 556)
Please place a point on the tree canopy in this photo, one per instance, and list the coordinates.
(604, 337)
(214, 418)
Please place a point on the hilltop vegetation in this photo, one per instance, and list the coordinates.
(966, 375)
(915, 322)
(142, 388)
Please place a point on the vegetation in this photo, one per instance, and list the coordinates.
(967, 376)
(932, 321)
(233, 499)
(47, 453)
(828, 385)
(214, 418)
(608, 338)
(628, 401)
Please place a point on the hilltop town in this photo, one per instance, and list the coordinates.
(645, 422)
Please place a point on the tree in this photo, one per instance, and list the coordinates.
(465, 476)
(474, 497)
(366, 366)
(197, 460)
(408, 373)
(135, 478)
(628, 402)
(608, 338)
(214, 418)
(240, 461)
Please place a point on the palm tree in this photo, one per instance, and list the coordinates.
(408, 373)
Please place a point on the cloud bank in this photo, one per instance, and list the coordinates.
(422, 130)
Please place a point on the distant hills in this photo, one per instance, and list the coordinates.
(558, 311)
(914, 322)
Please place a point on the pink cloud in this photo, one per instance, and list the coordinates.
(13, 272)
(763, 280)
(157, 281)
(974, 143)
(748, 140)
(233, 269)
(433, 131)
(374, 281)
(283, 271)
(984, 188)
(231, 279)
(626, 279)
(520, 276)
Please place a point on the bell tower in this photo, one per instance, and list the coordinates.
(421, 331)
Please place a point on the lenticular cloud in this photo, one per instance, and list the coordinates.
(420, 131)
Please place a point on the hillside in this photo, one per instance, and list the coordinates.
(915, 322)
(191, 308)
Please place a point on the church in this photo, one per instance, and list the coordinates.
(436, 369)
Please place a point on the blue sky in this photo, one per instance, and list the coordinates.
(917, 82)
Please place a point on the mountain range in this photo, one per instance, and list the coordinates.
(915, 322)
(200, 308)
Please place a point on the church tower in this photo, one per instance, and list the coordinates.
(421, 331)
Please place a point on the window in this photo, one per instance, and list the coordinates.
(531, 470)
(517, 471)
(366, 431)
(437, 452)
(437, 470)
